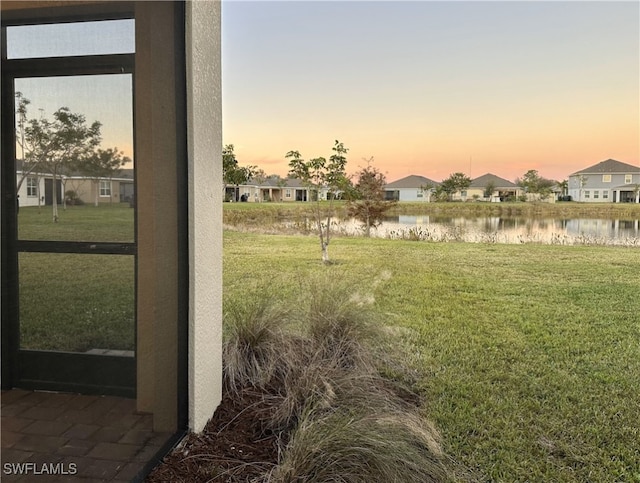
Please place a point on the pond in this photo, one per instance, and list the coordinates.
(501, 229)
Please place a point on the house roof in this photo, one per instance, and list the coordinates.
(609, 166)
(626, 187)
(413, 182)
(294, 183)
(125, 174)
(486, 179)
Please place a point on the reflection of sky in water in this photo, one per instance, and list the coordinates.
(508, 230)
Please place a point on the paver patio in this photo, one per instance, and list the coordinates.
(90, 438)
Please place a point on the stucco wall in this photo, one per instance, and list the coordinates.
(411, 194)
(204, 125)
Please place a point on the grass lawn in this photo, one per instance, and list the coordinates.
(71, 302)
(112, 222)
(529, 354)
(77, 302)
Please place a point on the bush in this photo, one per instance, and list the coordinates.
(72, 198)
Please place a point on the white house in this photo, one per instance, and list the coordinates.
(289, 189)
(502, 189)
(608, 181)
(410, 188)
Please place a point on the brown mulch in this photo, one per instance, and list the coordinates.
(233, 447)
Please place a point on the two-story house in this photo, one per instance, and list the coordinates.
(608, 181)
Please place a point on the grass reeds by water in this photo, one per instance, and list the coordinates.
(527, 355)
(268, 214)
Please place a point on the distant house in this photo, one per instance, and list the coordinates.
(410, 188)
(39, 185)
(117, 188)
(608, 181)
(295, 190)
(270, 190)
(502, 189)
(274, 189)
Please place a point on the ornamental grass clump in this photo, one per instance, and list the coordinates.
(330, 353)
(322, 393)
(348, 446)
(339, 325)
(256, 349)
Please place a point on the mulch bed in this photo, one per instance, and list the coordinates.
(233, 447)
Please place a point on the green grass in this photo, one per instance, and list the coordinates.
(625, 211)
(76, 302)
(106, 222)
(528, 355)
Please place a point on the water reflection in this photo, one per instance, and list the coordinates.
(508, 229)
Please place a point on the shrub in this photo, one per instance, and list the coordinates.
(72, 198)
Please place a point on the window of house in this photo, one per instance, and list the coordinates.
(419, 194)
(596, 194)
(605, 195)
(32, 187)
(105, 188)
(628, 178)
(287, 194)
(606, 178)
(587, 194)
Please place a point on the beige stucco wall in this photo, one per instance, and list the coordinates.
(157, 197)
(204, 126)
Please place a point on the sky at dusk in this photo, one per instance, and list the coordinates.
(432, 88)
(107, 99)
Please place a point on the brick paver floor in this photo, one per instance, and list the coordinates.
(80, 438)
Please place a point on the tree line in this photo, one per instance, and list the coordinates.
(364, 192)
